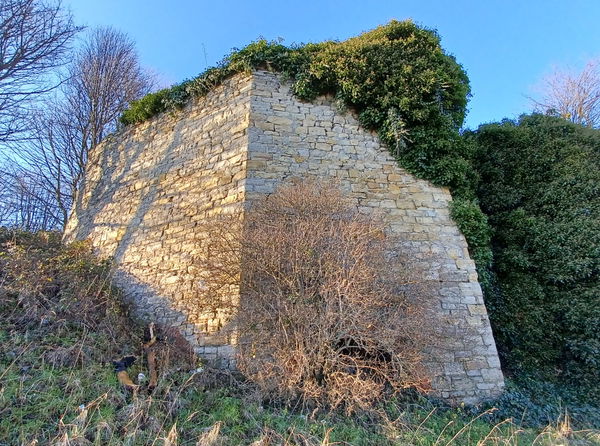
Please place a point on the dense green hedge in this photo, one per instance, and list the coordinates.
(540, 187)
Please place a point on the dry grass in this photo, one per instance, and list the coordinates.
(57, 385)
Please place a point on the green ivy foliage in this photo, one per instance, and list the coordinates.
(259, 54)
(397, 72)
(540, 187)
(396, 77)
(474, 225)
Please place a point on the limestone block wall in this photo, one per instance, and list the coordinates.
(289, 138)
(145, 192)
(148, 188)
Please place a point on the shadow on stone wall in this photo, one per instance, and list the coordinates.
(103, 191)
(148, 304)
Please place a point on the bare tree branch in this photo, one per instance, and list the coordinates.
(35, 38)
(104, 76)
(574, 96)
(25, 203)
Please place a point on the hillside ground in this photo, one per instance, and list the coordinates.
(63, 324)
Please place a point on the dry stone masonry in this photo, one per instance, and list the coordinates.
(148, 188)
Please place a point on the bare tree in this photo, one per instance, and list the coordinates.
(48, 164)
(35, 38)
(26, 203)
(103, 78)
(574, 96)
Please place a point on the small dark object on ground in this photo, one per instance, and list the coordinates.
(124, 363)
(121, 367)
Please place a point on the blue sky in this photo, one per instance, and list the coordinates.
(505, 46)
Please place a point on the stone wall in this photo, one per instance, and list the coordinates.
(146, 191)
(147, 188)
(289, 138)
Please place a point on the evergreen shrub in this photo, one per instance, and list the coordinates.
(540, 187)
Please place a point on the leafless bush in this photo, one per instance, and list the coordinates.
(327, 315)
(166, 351)
(53, 285)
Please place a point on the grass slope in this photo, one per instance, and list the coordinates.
(62, 323)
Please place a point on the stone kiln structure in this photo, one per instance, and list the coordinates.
(148, 188)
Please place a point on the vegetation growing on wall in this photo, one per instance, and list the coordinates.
(540, 187)
(539, 184)
(400, 82)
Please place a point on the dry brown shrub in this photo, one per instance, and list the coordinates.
(329, 313)
(55, 285)
(172, 350)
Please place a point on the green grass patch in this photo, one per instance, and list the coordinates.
(57, 384)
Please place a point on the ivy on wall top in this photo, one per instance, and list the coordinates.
(396, 77)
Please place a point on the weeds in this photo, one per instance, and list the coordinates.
(57, 385)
